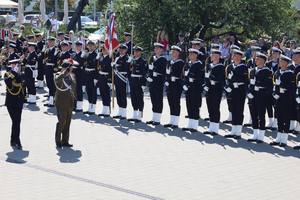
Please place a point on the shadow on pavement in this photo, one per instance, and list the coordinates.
(17, 156)
(68, 155)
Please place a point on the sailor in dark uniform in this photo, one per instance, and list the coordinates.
(31, 62)
(273, 66)
(64, 53)
(260, 88)
(15, 98)
(90, 72)
(104, 82)
(251, 65)
(174, 75)
(128, 42)
(284, 94)
(214, 85)
(228, 65)
(156, 79)
(296, 59)
(137, 81)
(237, 85)
(78, 71)
(39, 49)
(12, 55)
(50, 57)
(193, 87)
(199, 44)
(17, 42)
(121, 71)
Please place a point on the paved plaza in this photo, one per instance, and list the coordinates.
(119, 160)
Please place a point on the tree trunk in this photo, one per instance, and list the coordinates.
(77, 14)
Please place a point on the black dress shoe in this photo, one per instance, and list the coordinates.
(168, 125)
(117, 117)
(213, 133)
(174, 126)
(131, 120)
(283, 145)
(67, 145)
(193, 130)
(122, 118)
(103, 115)
(155, 123)
(227, 122)
(229, 136)
(237, 137)
(296, 147)
(18, 146)
(207, 133)
(296, 132)
(206, 119)
(247, 125)
(259, 141)
(49, 105)
(186, 116)
(274, 143)
(58, 145)
(186, 129)
(77, 110)
(31, 103)
(252, 140)
(149, 122)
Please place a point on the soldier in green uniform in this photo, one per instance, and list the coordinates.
(64, 102)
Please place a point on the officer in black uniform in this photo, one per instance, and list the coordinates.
(193, 87)
(121, 71)
(137, 80)
(14, 101)
(296, 59)
(31, 62)
(214, 85)
(90, 71)
(78, 71)
(199, 44)
(12, 55)
(40, 47)
(64, 53)
(174, 74)
(104, 81)
(128, 42)
(273, 66)
(50, 57)
(237, 87)
(260, 90)
(17, 42)
(284, 94)
(156, 79)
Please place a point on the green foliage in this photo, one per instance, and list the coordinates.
(248, 18)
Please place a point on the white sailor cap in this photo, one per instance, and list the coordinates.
(175, 47)
(197, 41)
(261, 55)
(14, 61)
(215, 51)
(255, 48)
(78, 42)
(157, 44)
(275, 49)
(285, 58)
(32, 44)
(138, 48)
(237, 51)
(192, 50)
(215, 46)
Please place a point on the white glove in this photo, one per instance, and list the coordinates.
(230, 75)
(277, 82)
(207, 75)
(212, 82)
(143, 87)
(250, 96)
(151, 67)
(168, 71)
(149, 79)
(34, 73)
(256, 88)
(298, 100)
(276, 96)
(282, 90)
(228, 89)
(206, 88)
(129, 59)
(166, 83)
(252, 81)
(95, 82)
(113, 64)
(235, 85)
(185, 88)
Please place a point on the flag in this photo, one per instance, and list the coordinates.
(111, 38)
(5, 34)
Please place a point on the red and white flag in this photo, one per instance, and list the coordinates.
(111, 39)
(5, 34)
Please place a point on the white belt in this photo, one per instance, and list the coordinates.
(31, 66)
(136, 75)
(103, 73)
(50, 64)
(89, 70)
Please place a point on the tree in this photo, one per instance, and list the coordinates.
(206, 18)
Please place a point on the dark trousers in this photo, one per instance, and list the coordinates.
(78, 74)
(174, 91)
(270, 103)
(284, 112)
(41, 71)
(91, 90)
(258, 107)
(136, 93)
(30, 82)
(228, 99)
(213, 101)
(104, 90)
(121, 92)
(15, 113)
(156, 89)
(50, 80)
(62, 132)
(238, 97)
(193, 102)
